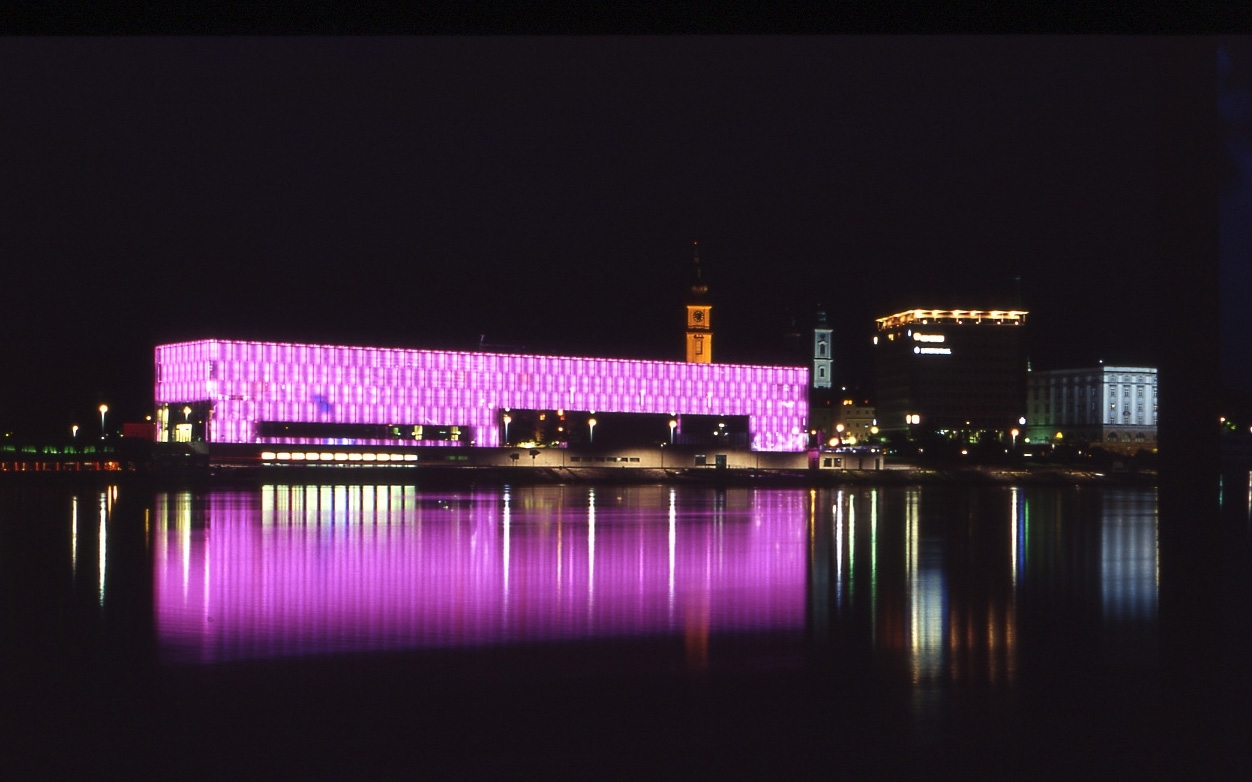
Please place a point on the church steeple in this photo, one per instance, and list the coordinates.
(699, 314)
(699, 291)
(823, 358)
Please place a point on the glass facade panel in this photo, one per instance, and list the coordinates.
(356, 385)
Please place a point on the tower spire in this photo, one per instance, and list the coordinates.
(698, 288)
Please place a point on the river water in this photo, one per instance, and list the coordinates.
(615, 631)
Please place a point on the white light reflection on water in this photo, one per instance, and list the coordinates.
(838, 512)
(1013, 532)
(873, 562)
(843, 512)
(505, 540)
(182, 522)
(103, 544)
(1018, 527)
(1129, 560)
(927, 596)
(851, 547)
(673, 539)
(74, 537)
(591, 555)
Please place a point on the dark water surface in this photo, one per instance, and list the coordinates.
(619, 632)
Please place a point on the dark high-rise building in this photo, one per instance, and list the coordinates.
(955, 372)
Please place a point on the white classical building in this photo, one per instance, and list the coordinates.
(1110, 406)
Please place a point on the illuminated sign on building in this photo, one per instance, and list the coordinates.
(998, 317)
(255, 389)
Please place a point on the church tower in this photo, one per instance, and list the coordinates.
(699, 312)
(822, 359)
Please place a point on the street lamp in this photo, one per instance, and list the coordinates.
(74, 431)
(186, 412)
(103, 409)
(507, 420)
(1015, 433)
(591, 430)
(672, 426)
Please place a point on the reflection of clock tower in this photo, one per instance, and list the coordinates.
(699, 329)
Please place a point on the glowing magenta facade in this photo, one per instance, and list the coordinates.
(244, 384)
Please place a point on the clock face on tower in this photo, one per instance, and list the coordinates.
(699, 335)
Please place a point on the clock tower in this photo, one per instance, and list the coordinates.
(699, 311)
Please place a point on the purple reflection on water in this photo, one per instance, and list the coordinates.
(295, 570)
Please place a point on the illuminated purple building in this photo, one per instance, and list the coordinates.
(222, 391)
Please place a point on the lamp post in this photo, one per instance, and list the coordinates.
(186, 412)
(1014, 432)
(591, 430)
(672, 426)
(74, 431)
(507, 420)
(103, 409)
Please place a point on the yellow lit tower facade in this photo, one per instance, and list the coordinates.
(699, 314)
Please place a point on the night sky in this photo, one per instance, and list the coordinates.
(545, 192)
